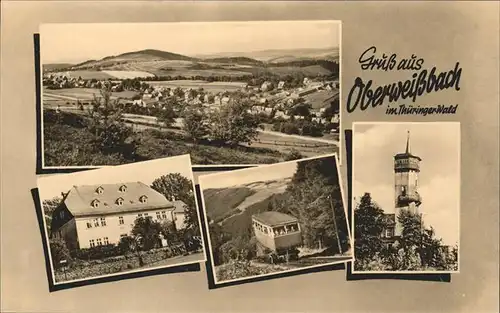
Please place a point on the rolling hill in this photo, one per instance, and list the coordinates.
(147, 55)
(309, 62)
(55, 66)
(233, 207)
(282, 55)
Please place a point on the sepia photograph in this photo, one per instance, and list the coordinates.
(123, 219)
(406, 197)
(274, 219)
(227, 93)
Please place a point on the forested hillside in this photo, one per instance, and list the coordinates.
(312, 195)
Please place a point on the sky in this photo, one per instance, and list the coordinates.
(50, 186)
(248, 175)
(438, 144)
(72, 43)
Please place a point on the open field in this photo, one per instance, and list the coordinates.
(82, 94)
(312, 70)
(208, 86)
(307, 146)
(178, 68)
(321, 98)
(167, 68)
(128, 74)
(89, 74)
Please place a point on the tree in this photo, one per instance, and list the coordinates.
(166, 116)
(231, 124)
(59, 251)
(331, 110)
(369, 222)
(302, 109)
(174, 185)
(169, 231)
(294, 154)
(417, 237)
(49, 207)
(146, 232)
(217, 239)
(314, 197)
(111, 134)
(195, 123)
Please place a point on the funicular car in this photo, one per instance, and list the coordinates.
(278, 236)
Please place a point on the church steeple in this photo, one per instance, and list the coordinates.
(408, 143)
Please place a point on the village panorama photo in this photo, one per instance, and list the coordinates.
(406, 205)
(123, 219)
(274, 219)
(227, 93)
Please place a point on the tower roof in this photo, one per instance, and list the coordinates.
(407, 153)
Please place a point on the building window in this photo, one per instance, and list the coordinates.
(139, 215)
(99, 242)
(95, 203)
(120, 220)
(158, 216)
(103, 221)
(99, 190)
(96, 222)
(119, 201)
(145, 214)
(92, 243)
(61, 214)
(89, 224)
(122, 188)
(123, 235)
(164, 214)
(143, 199)
(106, 241)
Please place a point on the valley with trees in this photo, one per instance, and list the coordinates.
(311, 195)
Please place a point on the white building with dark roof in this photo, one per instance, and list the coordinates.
(93, 215)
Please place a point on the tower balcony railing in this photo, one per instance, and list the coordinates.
(411, 197)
